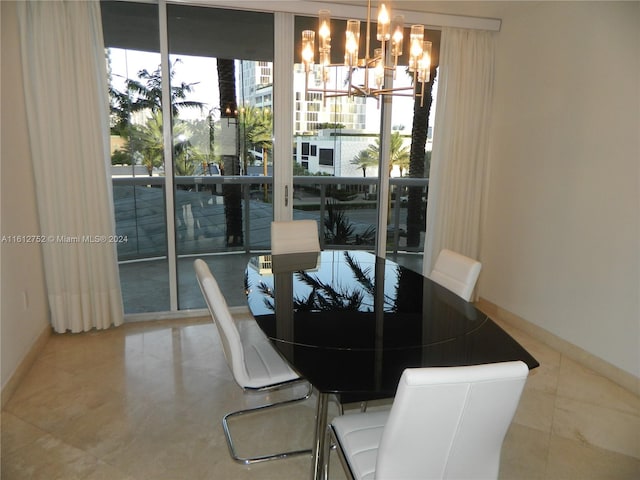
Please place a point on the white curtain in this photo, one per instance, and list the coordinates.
(67, 111)
(458, 172)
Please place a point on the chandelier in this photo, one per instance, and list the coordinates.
(390, 34)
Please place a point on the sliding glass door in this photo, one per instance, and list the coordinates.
(201, 197)
(221, 131)
(207, 149)
(343, 137)
(132, 43)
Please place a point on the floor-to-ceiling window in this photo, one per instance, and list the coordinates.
(202, 186)
(132, 41)
(219, 77)
(219, 60)
(339, 120)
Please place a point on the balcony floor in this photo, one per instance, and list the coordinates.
(145, 284)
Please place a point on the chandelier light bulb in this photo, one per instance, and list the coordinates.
(324, 29)
(397, 35)
(424, 64)
(308, 46)
(352, 42)
(415, 48)
(383, 23)
(390, 34)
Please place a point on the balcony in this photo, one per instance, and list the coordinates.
(345, 208)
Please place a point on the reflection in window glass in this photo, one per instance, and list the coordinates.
(132, 50)
(221, 126)
(222, 94)
(345, 131)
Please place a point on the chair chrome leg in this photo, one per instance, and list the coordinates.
(261, 458)
(318, 464)
(328, 446)
(343, 460)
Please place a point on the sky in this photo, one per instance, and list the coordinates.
(199, 70)
(202, 72)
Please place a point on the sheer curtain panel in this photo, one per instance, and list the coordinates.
(67, 111)
(460, 150)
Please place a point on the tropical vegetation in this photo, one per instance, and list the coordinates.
(142, 97)
(399, 155)
(257, 125)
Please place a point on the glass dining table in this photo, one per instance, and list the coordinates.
(350, 323)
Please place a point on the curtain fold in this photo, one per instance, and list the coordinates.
(459, 161)
(67, 113)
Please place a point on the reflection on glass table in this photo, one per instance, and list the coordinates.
(351, 322)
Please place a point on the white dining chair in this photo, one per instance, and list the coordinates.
(253, 361)
(294, 236)
(456, 272)
(444, 423)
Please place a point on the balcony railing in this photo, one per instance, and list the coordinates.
(345, 208)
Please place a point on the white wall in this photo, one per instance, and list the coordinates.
(562, 243)
(24, 306)
(561, 247)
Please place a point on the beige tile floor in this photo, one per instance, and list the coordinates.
(144, 401)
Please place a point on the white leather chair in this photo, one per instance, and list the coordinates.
(456, 272)
(254, 362)
(294, 236)
(444, 423)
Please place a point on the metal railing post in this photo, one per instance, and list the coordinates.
(396, 218)
(247, 217)
(323, 201)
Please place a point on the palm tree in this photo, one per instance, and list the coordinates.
(365, 159)
(231, 163)
(187, 159)
(338, 229)
(398, 152)
(257, 124)
(418, 157)
(142, 94)
(148, 140)
(325, 296)
(146, 93)
(259, 133)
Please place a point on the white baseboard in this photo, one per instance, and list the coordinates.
(589, 360)
(10, 387)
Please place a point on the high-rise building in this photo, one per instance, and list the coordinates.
(311, 111)
(257, 84)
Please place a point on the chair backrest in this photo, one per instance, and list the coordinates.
(221, 316)
(450, 422)
(456, 273)
(294, 236)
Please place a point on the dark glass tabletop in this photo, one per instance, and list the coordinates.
(351, 322)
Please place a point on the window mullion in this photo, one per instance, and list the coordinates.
(167, 134)
(283, 116)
